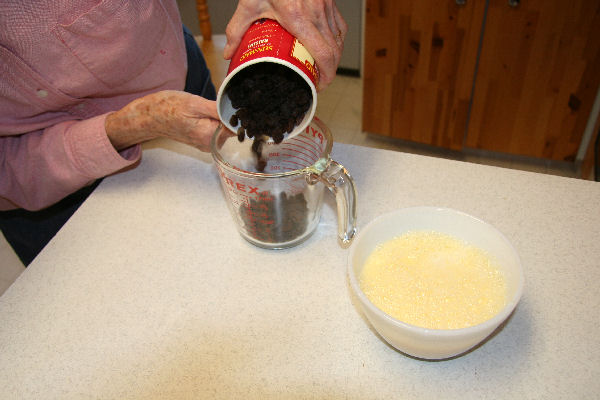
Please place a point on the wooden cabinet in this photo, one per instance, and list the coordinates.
(519, 79)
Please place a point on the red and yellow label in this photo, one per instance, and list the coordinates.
(266, 38)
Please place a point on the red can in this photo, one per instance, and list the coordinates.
(267, 41)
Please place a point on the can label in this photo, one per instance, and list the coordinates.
(266, 38)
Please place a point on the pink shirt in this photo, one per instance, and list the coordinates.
(64, 65)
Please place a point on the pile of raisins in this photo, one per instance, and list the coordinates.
(270, 99)
(276, 219)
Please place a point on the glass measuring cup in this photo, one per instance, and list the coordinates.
(280, 207)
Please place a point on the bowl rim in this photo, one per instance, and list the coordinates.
(486, 325)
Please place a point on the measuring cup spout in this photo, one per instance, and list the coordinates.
(340, 183)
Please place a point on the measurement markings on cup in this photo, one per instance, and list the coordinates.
(296, 155)
(306, 140)
(305, 151)
(299, 165)
(302, 149)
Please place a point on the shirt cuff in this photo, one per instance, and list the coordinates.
(93, 152)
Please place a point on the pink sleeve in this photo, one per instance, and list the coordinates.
(63, 66)
(46, 165)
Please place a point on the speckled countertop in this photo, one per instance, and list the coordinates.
(149, 292)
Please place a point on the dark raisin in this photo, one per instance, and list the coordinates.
(241, 134)
(275, 218)
(261, 164)
(270, 100)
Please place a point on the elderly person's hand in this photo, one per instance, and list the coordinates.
(317, 24)
(176, 115)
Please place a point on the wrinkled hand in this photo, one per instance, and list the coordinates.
(317, 24)
(180, 116)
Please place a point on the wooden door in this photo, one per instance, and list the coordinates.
(419, 66)
(538, 75)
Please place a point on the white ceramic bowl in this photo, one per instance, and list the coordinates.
(434, 343)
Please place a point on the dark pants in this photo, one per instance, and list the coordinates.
(29, 231)
(198, 80)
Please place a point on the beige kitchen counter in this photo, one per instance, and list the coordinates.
(149, 292)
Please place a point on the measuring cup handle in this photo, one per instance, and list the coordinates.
(341, 184)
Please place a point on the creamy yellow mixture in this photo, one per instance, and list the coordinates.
(433, 280)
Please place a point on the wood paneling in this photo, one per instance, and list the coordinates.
(538, 72)
(538, 75)
(419, 65)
